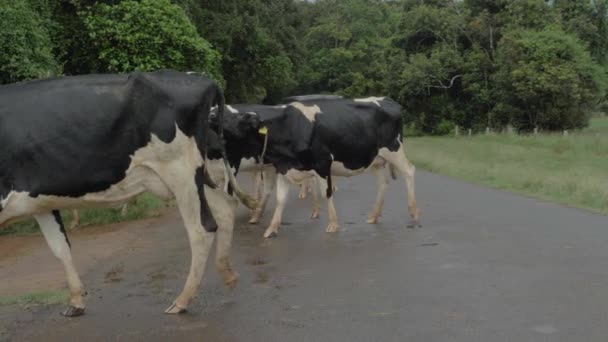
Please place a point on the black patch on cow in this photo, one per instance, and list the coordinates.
(206, 216)
(59, 221)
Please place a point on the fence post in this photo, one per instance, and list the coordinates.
(469, 132)
(565, 132)
(488, 130)
(535, 130)
(457, 130)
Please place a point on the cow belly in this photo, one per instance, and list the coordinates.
(142, 175)
(340, 170)
(139, 180)
(298, 177)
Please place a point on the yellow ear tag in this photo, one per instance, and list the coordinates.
(263, 131)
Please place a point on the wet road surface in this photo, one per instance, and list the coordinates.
(485, 266)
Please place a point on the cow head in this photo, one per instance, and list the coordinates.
(237, 126)
(241, 135)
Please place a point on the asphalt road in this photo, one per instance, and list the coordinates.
(485, 266)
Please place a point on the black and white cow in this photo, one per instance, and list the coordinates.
(317, 137)
(100, 140)
(245, 148)
(340, 137)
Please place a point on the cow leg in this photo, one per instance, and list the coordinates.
(316, 207)
(282, 192)
(407, 169)
(223, 208)
(270, 177)
(53, 230)
(258, 183)
(189, 196)
(382, 184)
(332, 215)
(256, 180)
(305, 188)
(75, 219)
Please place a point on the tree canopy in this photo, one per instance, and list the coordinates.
(472, 63)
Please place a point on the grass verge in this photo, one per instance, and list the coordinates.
(571, 169)
(37, 298)
(144, 206)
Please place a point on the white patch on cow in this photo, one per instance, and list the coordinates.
(201, 73)
(374, 100)
(232, 109)
(309, 112)
(142, 175)
(3, 201)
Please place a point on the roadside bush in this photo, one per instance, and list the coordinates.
(549, 78)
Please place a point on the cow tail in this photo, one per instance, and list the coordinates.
(247, 200)
(330, 187)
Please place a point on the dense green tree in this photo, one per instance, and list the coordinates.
(472, 63)
(589, 21)
(26, 45)
(146, 35)
(452, 73)
(547, 79)
(348, 46)
(257, 41)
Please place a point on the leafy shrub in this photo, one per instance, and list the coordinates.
(549, 78)
(147, 35)
(26, 51)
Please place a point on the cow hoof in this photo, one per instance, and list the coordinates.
(73, 311)
(174, 309)
(231, 280)
(301, 196)
(332, 228)
(254, 220)
(315, 214)
(413, 224)
(372, 219)
(270, 234)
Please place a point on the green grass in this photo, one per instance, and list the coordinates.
(37, 298)
(146, 205)
(572, 170)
